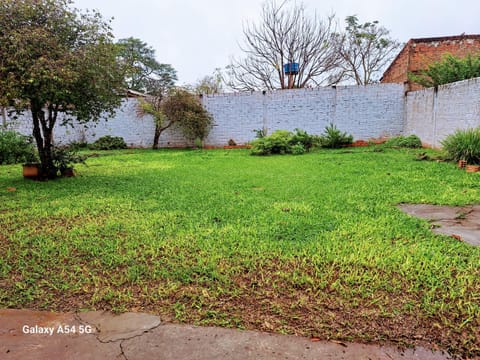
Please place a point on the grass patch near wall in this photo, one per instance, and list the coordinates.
(310, 245)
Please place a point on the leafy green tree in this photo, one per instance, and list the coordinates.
(365, 49)
(54, 59)
(180, 108)
(448, 70)
(142, 71)
(210, 84)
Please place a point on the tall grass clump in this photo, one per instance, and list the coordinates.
(411, 141)
(333, 138)
(463, 145)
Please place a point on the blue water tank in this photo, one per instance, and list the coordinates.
(290, 69)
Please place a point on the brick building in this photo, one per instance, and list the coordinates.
(417, 54)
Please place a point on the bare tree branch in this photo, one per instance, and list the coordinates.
(285, 35)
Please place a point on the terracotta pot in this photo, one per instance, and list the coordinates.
(31, 171)
(462, 164)
(473, 168)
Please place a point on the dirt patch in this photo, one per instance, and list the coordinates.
(459, 222)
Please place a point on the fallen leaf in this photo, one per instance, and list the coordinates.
(11, 189)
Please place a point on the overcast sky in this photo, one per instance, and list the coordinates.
(196, 36)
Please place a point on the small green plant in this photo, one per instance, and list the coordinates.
(109, 143)
(333, 138)
(65, 157)
(16, 148)
(260, 133)
(198, 143)
(303, 138)
(411, 141)
(277, 143)
(298, 149)
(463, 145)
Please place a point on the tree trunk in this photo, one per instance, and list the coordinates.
(43, 134)
(156, 137)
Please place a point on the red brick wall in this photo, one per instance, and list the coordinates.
(397, 72)
(418, 54)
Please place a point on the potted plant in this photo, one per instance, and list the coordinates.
(31, 167)
(64, 158)
(472, 168)
(31, 170)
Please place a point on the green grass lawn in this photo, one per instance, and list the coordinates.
(311, 245)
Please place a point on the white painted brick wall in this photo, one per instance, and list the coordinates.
(434, 115)
(137, 131)
(364, 111)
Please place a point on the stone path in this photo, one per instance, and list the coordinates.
(462, 223)
(26, 335)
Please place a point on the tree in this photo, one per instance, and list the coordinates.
(142, 71)
(54, 59)
(180, 108)
(286, 35)
(210, 84)
(448, 70)
(365, 49)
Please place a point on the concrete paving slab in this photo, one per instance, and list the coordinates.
(170, 341)
(112, 327)
(460, 222)
(25, 335)
(167, 341)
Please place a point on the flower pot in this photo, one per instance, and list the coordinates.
(472, 168)
(31, 170)
(462, 164)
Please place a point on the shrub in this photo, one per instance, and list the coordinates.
(109, 143)
(303, 138)
(187, 112)
(333, 138)
(411, 141)
(284, 142)
(298, 149)
(65, 157)
(16, 148)
(277, 143)
(463, 145)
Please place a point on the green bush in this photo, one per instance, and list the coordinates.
(16, 148)
(277, 143)
(333, 138)
(411, 141)
(306, 140)
(284, 142)
(109, 143)
(65, 157)
(463, 145)
(298, 149)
